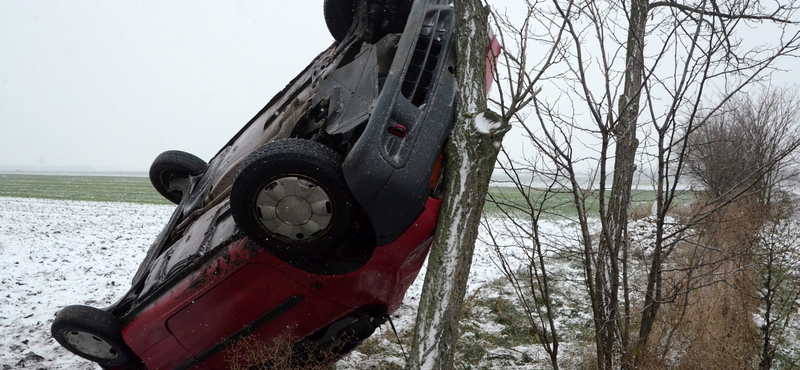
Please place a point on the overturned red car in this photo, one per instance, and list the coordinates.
(308, 226)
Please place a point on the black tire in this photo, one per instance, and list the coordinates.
(82, 329)
(170, 165)
(290, 197)
(339, 16)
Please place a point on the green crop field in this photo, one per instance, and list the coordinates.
(93, 188)
(139, 190)
(560, 203)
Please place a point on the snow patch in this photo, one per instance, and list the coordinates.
(487, 123)
(58, 253)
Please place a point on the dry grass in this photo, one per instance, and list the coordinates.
(708, 324)
(641, 211)
(253, 354)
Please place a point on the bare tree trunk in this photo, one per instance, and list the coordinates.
(470, 156)
(768, 348)
(615, 221)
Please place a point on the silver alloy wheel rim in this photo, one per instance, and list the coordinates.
(294, 208)
(90, 344)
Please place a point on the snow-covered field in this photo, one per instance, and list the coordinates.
(58, 253)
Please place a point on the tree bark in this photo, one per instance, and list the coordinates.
(470, 156)
(615, 233)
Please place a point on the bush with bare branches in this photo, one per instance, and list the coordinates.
(747, 144)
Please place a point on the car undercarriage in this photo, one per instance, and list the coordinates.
(312, 221)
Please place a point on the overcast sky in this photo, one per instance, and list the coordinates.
(111, 85)
(107, 86)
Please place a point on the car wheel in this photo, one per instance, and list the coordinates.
(390, 16)
(174, 165)
(93, 334)
(290, 197)
(338, 17)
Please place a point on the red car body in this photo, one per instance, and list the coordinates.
(244, 283)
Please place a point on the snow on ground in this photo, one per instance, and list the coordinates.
(58, 253)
